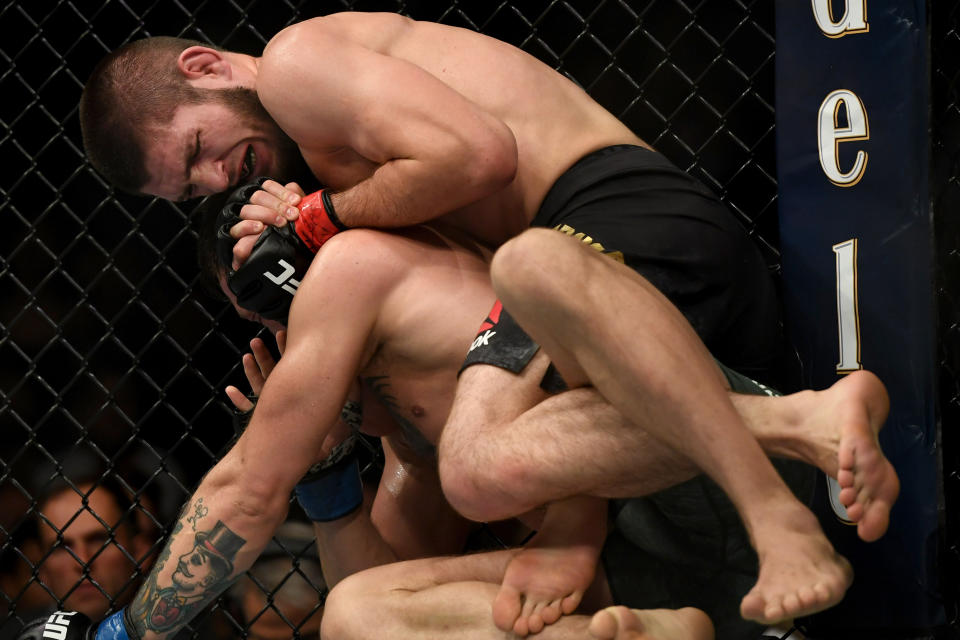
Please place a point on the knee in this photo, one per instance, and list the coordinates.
(524, 262)
(346, 608)
(539, 269)
(460, 477)
(477, 486)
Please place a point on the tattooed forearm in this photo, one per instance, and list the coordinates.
(199, 576)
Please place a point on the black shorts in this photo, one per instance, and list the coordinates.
(633, 204)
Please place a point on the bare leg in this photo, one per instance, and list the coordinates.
(620, 623)
(430, 599)
(835, 430)
(496, 463)
(644, 358)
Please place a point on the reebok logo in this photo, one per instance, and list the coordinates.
(493, 318)
(483, 339)
(284, 280)
(57, 625)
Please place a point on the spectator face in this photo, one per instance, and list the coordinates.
(87, 544)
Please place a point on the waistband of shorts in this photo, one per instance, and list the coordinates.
(599, 165)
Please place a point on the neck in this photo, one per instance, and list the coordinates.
(245, 67)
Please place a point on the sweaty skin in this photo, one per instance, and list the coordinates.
(429, 120)
(408, 121)
(413, 121)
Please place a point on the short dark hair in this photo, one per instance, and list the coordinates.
(208, 259)
(133, 89)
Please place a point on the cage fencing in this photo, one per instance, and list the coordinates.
(114, 359)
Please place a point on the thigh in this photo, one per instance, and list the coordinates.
(637, 208)
(490, 395)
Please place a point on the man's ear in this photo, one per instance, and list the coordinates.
(204, 63)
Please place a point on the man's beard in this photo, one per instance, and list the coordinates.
(289, 165)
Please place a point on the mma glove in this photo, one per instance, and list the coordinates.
(72, 625)
(268, 280)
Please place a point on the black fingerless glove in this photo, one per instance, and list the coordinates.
(268, 280)
(72, 625)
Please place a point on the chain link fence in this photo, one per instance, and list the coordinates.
(114, 359)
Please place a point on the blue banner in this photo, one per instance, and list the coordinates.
(853, 168)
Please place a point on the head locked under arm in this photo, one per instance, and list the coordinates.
(266, 283)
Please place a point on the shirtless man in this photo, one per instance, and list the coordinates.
(408, 121)
(403, 307)
(416, 599)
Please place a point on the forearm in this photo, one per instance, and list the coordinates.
(403, 192)
(219, 534)
(350, 545)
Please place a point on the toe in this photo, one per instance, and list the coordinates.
(603, 626)
(569, 604)
(506, 608)
(774, 611)
(551, 612)
(752, 606)
(791, 605)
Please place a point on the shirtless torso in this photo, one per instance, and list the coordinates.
(392, 99)
(424, 324)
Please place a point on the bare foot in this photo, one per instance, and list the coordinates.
(869, 483)
(800, 572)
(547, 578)
(835, 430)
(620, 623)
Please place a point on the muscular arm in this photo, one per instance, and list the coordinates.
(357, 110)
(240, 502)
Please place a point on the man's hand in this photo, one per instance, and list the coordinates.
(273, 205)
(257, 365)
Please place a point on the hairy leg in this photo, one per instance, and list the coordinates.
(497, 464)
(620, 623)
(646, 360)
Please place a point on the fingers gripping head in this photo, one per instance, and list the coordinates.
(266, 283)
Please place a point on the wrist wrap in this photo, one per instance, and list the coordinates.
(332, 488)
(113, 628)
(318, 221)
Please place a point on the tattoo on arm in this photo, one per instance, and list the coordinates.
(200, 576)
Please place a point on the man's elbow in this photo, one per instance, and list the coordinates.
(260, 497)
(498, 159)
(263, 501)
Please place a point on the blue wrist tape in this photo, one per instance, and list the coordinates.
(333, 492)
(112, 628)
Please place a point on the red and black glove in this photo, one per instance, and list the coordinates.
(318, 222)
